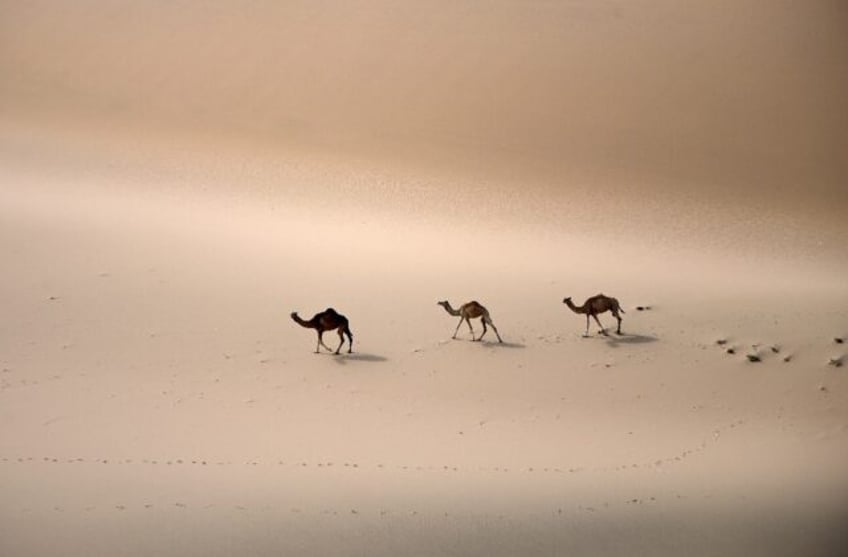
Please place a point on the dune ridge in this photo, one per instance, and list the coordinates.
(716, 97)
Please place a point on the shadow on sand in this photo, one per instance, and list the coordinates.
(343, 358)
(503, 344)
(615, 340)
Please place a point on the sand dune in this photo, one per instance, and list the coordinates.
(717, 96)
(157, 395)
(175, 179)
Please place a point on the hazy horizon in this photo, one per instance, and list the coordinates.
(719, 95)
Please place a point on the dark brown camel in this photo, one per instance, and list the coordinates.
(327, 320)
(469, 311)
(595, 306)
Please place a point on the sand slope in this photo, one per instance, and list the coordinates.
(157, 397)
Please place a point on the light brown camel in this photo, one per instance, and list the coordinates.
(327, 320)
(466, 312)
(595, 306)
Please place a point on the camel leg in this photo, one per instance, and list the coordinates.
(458, 326)
(341, 340)
(470, 328)
(484, 329)
(603, 331)
(586, 334)
(617, 316)
(496, 330)
(321, 342)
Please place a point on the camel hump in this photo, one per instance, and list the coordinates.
(331, 311)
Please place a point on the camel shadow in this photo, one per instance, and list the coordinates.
(503, 345)
(343, 358)
(616, 340)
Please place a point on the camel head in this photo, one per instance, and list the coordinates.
(566, 300)
(293, 314)
(445, 304)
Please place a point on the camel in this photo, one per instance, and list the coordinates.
(595, 306)
(469, 311)
(327, 320)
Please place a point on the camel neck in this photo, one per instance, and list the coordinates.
(574, 308)
(301, 322)
(449, 309)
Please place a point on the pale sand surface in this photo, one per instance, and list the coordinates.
(156, 399)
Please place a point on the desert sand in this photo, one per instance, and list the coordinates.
(176, 178)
